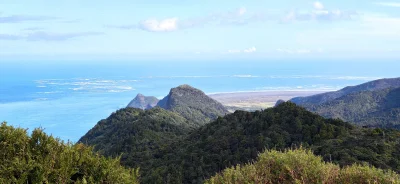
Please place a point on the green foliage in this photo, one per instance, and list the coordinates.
(300, 166)
(136, 133)
(186, 155)
(379, 108)
(40, 158)
(375, 85)
(238, 138)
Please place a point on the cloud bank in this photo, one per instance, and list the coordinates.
(237, 16)
(318, 5)
(389, 4)
(165, 25)
(240, 16)
(299, 51)
(248, 50)
(24, 18)
(46, 36)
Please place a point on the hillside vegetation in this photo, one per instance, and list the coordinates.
(40, 158)
(193, 155)
(379, 108)
(368, 86)
(301, 166)
(136, 133)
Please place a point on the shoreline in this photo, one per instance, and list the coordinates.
(270, 91)
(257, 100)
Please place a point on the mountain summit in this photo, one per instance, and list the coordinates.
(193, 104)
(143, 102)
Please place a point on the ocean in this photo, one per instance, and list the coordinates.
(67, 98)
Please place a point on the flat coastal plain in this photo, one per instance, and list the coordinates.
(251, 101)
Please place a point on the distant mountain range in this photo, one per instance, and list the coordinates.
(375, 103)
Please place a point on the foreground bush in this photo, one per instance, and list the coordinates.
(300, 166)
(40, 158)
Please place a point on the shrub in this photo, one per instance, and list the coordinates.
(300, 166)
(40, 158)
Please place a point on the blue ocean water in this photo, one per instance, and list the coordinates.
(69, 98)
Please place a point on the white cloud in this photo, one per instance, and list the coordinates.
(318, 5)
(303, 51)
(248, 50)
(170, 24)
(390, 4)
(380, 25)
(320, 13)
(238, 16)
(299, 51)
(173, 24)
(234, 51)
(47, 36)
(242, 11)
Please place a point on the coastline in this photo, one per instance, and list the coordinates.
(256, 100)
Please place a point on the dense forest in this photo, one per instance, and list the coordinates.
(329, 96)
(301, 166)
(189, 155)
(380, 108)
(40, 158)
(136, 133)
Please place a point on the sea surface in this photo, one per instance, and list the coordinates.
(68, 98)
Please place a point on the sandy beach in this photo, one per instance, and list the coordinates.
(257, 100)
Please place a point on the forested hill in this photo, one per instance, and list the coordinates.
(379, 108)
(167, 153)
(192, 104)
(369, 86)
(135, 133)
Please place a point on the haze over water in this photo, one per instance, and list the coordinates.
(69, 98)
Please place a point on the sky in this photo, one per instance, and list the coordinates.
(193, 29)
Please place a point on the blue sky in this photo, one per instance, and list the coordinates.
(76, 29)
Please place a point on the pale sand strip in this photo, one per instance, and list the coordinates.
(257, 100)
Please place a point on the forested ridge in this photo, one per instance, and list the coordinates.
(372, 104)
(328, 96)
(380, 108)
(135, 134)
(194, 155)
